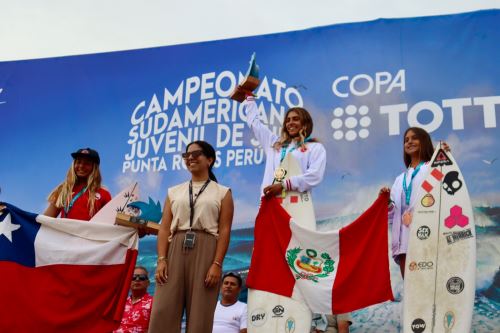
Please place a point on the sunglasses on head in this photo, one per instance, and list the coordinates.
(139, 277)
(193, 154)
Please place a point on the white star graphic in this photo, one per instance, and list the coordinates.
(6, 228)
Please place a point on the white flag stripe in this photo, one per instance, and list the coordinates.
(321, 243)
(66, 241)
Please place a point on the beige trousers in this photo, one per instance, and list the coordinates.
(185, 288)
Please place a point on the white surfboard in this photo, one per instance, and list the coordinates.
(440, 267)
(268, 312)
(118, 204)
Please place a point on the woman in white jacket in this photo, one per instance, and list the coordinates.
(417, 152)
(295, 139)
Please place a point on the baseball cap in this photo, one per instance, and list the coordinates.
(88, 153)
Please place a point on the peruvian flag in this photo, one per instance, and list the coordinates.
(62, 275)
(332, 272)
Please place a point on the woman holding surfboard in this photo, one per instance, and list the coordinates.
(295, 139)
(192, 243)
(295, 164)
(417, 152)
(81, 195)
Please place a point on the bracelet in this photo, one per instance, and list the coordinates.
(162, 258)
(217, 263)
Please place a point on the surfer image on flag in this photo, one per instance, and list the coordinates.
(417, 152)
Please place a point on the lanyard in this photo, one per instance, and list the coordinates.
(407, 189)
(72, 202)
(284, 148)
(193, 202)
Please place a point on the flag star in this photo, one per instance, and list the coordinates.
(6, 228)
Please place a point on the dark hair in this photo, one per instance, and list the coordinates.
(143, 268)
(426, 146)
(209, 152)
(235, 275)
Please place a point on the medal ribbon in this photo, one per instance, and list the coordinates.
(72, 202)
(407, 189)
(193, 202)
(284, 148)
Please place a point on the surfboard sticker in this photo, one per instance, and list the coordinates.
(441, 159)
(267, 312)
(439, 283)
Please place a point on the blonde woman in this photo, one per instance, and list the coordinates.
(80, 196)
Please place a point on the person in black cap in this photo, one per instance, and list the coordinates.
(80, 196)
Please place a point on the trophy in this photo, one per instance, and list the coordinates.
(147, 220)
(249, 84)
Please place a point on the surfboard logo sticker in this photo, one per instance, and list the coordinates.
(418, 325)
(278, 311)
(437, 175)
(449, 320)
(455, 285)
(451, 183)
(290, 325)
(427, 200)
(258, 317)
(307, 265)
(455, 236)
(421, 265)
(456, 218)
(441, 159)
(423, 232)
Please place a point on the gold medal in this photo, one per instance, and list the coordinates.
(279, 175)
(407, 217)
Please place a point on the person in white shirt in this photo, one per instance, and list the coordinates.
(230, 314)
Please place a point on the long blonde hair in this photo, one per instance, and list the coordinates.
(62, 195)
(304, 133)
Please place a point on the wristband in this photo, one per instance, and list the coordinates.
(162, 258)
(217, 263)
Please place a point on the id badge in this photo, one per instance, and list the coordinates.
(189, 239)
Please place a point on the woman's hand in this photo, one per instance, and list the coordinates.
(384, 190)
(445, 146)
(213, 276)
(161, 274)
(273, 190)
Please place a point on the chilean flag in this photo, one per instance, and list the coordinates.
(332, 272)
(62, 275)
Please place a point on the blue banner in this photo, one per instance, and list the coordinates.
(364, 84)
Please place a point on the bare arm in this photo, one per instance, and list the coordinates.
(51, 210)
(243, 330)
(225, 221)
(343, 326)
(161, 274)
